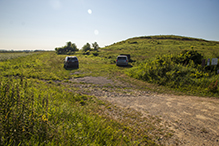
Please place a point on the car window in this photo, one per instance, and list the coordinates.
(121, 58)
(72, 59)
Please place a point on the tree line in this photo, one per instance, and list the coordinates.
(71, 48)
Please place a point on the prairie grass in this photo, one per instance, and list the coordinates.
(9, 55)
(36, 110)
(187, 77)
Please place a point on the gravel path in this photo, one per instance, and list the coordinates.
(194, 120)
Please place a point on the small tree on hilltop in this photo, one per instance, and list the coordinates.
(69, 48)
(95, 46)
(86, 47)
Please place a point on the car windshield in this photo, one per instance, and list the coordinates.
(72, 59)
(121, 58)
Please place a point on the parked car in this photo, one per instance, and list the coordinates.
(71, 62)
(122, 60)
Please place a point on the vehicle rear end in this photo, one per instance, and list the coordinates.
(122, 60)
(72, 62)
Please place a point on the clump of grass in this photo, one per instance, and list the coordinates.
(21, 120)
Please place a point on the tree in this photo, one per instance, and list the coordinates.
(69, 48)
(86, 47)
(95, 46)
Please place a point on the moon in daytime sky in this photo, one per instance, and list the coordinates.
(96, 32)
(89, 11)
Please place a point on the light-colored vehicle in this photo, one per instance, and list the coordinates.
(122, 60)
(71, 62)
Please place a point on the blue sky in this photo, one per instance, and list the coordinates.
(47, 24)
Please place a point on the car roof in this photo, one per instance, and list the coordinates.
(122, 56)
(71, 57)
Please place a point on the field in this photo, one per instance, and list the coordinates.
(41, 104)
(38, 108)
(10, 55)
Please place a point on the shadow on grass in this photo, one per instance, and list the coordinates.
(125, 66)
(71, 68)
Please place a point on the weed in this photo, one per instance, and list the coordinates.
(213, 87)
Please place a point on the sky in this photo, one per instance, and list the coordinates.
(47, 24)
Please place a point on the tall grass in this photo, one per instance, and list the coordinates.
(181, 72)
(35, 112)
(10, 55)
(21, 117)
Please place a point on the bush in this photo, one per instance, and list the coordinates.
(186, 56)
(95, 53)
(171, 71)
(213, 87)
(86, 53)
(68, 49)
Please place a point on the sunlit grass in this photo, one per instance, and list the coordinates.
(35, 110)
(9, 55)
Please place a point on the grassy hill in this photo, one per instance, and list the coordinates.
(171, 61)
(147, 47)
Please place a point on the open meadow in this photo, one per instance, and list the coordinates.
(42, 103)
(38, 107)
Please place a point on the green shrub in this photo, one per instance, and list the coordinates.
(213, 87)
(169, 70)
(186, 56)
(95, 53)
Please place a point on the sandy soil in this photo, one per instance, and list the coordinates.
(194, 120)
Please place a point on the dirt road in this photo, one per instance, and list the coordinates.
(193, 120)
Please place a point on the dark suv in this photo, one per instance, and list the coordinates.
(122, 60)
(71, 62)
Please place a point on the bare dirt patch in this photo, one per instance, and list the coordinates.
(94, 80)
(193, 120)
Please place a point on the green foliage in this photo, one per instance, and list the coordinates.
(95, 46)
(22, 119)
(172, 71)
(47, 66)
(31, 113)
(186, 56)
(69, 49)
(182, 69)
(213, 87)
(8, 55)
(95, 53)
(38, 108)
(86, 47)
(148, 47)
(87, 52)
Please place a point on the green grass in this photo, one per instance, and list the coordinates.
(10, 55)
(142, 48)
(35, 110)
(146, 53)
(39, 107)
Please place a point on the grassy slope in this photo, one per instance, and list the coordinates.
(145, 49)
(142, 48)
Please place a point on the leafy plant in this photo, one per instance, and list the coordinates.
(187, 56)
(213, 87)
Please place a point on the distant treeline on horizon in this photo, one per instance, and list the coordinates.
(19, 51)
